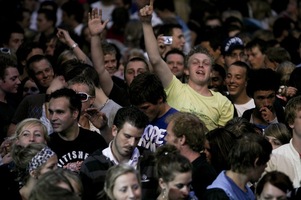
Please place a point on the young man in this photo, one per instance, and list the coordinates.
(212, 108)
(187, 132)
(236, 82)
(71, 143)
(175, 59)
(262, 87)
(9, 83)
(233, 50)
(128, 127)
(286, 158)
(147, 93)
(247, 158)
(255, 50)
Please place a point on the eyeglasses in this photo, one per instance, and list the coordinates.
(84, 96)
(5, 50)
(31, 89)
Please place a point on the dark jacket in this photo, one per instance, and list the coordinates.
(94, 168)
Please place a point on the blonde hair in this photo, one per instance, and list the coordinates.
(31, 122)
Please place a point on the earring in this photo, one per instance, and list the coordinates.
(164, 193)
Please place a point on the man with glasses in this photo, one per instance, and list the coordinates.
(233, 50)
(71, 143)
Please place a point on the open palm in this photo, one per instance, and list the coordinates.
(95, 24)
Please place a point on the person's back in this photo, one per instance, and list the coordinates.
(248, 158)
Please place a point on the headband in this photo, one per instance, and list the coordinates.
(40, 158)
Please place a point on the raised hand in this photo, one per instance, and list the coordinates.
(96, 26)
(98, 119)
(64, 36)
(146, 12)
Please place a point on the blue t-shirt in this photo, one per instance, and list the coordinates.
(155, 132)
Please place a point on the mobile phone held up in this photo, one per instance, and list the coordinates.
(167, 40)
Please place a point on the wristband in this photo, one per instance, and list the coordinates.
(73, 46)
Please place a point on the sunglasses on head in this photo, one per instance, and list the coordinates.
(84, 96)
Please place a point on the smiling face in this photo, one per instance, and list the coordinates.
(127, 187)
(11, 81)
(236, 80)
(43, 72)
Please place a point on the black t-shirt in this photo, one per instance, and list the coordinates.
(72, 153)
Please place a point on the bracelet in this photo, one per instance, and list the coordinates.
(73, 46)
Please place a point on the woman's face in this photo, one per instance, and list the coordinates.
(127, 187)
(179, 188)
(32, 133)
(274, 142)
(271, 192)
(207, 151)
(51, 164)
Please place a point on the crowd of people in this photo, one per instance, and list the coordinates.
(150, 99)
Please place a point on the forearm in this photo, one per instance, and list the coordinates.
(98, 63)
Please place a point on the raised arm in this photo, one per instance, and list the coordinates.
(96, 27)
(152, 49)
(65, 38)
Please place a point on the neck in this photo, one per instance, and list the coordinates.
(117, 156)
(164, 109)
(239, 179)
(2, 96)
(188, 153)
(241, 99)
(71, 133)
(296, 141)
(201, 89)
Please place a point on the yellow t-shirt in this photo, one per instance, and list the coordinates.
(214, 111)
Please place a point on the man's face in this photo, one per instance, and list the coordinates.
(264, 99)
(255, 58)
(175, 63)
(110, 63)
(43, 24)
(235, 55)
(217, 82)
(199, 68)
(83, 88)
(178, 40)
(43, 72)
(296, 125)
(170, 137)
(125, 140)
(11, 80)
(60, 115)
(152, 111)
(15, 40)
(133, 69)
(236, 80)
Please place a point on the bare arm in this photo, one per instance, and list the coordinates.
(96, 27)
(151, 44)
(65, 38)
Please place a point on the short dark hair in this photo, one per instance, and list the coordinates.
(50, 15)
(5, 62)
(262, 79)
(257, 42)
(174, 51)
(34, 59)
(131, 115)
(146, 87)
(74, 100)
